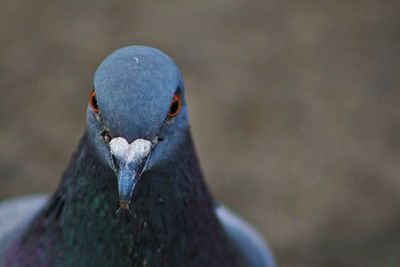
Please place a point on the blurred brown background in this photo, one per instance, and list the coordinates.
(294, 108)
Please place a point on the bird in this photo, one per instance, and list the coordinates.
(133, 193)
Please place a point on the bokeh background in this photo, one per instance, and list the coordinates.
(294, 108)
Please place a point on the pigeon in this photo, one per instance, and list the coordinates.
(133, 193)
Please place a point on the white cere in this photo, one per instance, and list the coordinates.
(136, 151)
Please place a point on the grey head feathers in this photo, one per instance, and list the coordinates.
(135, 86)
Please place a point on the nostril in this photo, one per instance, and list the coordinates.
(106, 136)
(160, 139)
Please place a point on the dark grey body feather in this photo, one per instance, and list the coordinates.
(74, 228)
(16, 214)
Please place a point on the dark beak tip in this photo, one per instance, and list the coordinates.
(124, 204)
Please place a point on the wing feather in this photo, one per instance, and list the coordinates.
(246, 239)
(15, 215)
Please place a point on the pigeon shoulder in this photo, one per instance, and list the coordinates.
(15, 215)
(245, 238)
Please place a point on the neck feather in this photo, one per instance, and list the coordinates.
(171, 223)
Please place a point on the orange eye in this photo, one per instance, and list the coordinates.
(93, 101)
(175, 107)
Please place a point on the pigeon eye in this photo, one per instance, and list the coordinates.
(93, 101)
(175, 107)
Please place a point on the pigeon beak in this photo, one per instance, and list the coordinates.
(129, 162)
(128, 176)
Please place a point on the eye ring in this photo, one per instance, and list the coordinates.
(175, 107)
(93, 102)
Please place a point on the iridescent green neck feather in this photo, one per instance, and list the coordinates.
(171, 224)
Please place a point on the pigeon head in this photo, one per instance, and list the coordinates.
(137, 116)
